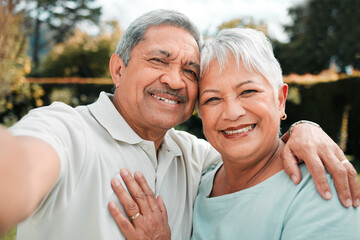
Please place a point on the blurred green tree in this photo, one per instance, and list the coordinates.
(248, 22)
(83, 55)
(62, 17)
(15, 92)
(323, 32)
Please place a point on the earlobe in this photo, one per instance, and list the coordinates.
(115, 67)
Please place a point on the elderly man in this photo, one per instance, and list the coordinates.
(56, 164)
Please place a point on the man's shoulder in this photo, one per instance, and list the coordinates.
(57, 108)
(50, 119)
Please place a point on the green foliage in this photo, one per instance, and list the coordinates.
(12, 47)
(10, 235)
(193, 125)
(15, 92)
(82, 55)
(73, 94)
(61, 18)
(323, 32)
(248, 22)
(326, 103)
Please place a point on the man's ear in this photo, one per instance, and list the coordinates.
(116, 65)
(283, 92)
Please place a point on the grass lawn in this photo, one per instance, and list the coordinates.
(11, 235)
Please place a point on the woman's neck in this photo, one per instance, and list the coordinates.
(238, 175)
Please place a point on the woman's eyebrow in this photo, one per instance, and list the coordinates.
(209, 91)
(243, 83)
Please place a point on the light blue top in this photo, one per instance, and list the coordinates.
(273, 209)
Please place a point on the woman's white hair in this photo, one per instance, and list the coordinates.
(250, 46)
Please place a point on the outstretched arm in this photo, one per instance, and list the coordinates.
(28, 169)
(310, 144)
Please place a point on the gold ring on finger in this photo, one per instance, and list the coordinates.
(135, 216)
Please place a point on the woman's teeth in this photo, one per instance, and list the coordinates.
(241, 130)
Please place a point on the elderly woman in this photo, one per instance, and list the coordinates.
(249, 196)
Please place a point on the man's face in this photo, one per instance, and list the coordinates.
(158, 88)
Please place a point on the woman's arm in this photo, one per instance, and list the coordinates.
(310, 144)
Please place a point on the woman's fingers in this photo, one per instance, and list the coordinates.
(290, 164)
(353, 181)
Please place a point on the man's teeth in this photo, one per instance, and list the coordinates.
(246, 129)
(164, 99)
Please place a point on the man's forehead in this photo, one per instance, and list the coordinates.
(169, 30)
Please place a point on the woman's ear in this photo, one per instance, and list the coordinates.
(283, 91)
(115, 66)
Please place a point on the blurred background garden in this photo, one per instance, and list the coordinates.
(58, 50)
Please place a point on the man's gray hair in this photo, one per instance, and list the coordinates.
(136, 31)
(250, 46)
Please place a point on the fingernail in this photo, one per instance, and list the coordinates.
(293, 178)
(327, 195)
(348, 202)
(124, 171)
(138, 174)
(112, 204)
(116, 182)
(357, 203)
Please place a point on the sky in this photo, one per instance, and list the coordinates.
(206, 14)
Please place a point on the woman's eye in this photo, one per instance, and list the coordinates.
(211, 100)
(248, 91)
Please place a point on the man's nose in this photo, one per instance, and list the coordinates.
(173, 79)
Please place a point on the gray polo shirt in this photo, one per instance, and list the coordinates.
(94, 142)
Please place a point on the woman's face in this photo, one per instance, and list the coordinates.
(240, 114)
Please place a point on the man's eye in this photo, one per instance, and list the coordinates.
(191, 72)
(157, 60)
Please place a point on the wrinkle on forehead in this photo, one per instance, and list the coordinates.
(163, 41)
(171, 56)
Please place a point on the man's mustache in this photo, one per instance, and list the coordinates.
(168, 90)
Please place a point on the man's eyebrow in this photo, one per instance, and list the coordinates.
(161, 52)
(168, 54)
(165, 53)
(194, 64)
